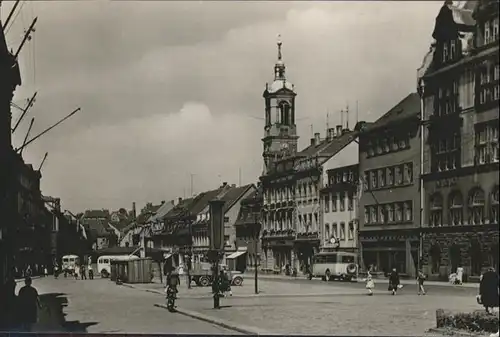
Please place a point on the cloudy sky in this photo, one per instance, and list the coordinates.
(168, 89)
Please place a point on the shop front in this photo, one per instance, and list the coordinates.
(305, 246)
(277, 248)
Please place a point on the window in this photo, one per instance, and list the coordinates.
(486, 143)
(373, 175)
(327, 232)
(327, 203)
(494, 31)
(381, 213)
(373, 214)
(445, 52)
(347, 259)
(370, 151)
(476, 207)
(456, 209)
(350, 232)
(494, 206)
(390, 212)
(367, 215)
(334, 230)
(408, 173)
(334, 202)
(399, 174)
(399, 212)
(452, 49)
(342, 202)
(390, 176)
(350, 201)
(408, 210)
(385, 146)
(445, 154)
(436, 210)
(487, 36)
(379, 147)
(381, 177)
(366, 181)
(342, 231)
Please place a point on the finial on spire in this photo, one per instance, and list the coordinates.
(279, 43)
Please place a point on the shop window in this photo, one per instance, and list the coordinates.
(436, 210)
(476, 207)
(456, 209)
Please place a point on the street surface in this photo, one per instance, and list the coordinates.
(100, 306)
(308, 307)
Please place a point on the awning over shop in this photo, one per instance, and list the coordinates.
(236, 254)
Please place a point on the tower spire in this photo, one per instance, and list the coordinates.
(279, 67)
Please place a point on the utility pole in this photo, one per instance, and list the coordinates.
(47, 130)
(31, 101)
(43, 161)
(27, 37)
(27, 135)
(10, 14)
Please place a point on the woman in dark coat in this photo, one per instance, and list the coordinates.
(394, 281)
(488, 289)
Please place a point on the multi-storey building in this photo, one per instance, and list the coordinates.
(460, 91)
(280, 141)
(339, 198)
(389, 157)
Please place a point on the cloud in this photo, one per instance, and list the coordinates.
(136, 69)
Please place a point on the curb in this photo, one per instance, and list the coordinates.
(455, 332)
(246, 330)
(261, 295)
(32, 277)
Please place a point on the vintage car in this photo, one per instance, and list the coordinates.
(202, 274)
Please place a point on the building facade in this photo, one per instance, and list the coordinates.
(389, 162)
(461, 94)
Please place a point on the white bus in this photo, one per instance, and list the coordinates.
(335, 265)
(68, 263)
(104, 263)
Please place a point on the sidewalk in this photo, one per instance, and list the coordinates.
(404, 282)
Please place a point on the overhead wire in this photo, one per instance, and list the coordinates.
(15, 17)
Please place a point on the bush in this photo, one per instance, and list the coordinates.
(475, 321)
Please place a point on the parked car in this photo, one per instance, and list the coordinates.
(202, 274)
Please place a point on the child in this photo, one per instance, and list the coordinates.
(420, 280)
(369, 284)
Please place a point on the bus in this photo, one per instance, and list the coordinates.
(104, 263)
(68, 264)
(335, 265)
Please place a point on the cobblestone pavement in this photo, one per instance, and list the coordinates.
(405, 314)
(100, 306)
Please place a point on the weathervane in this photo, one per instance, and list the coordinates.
(279, 42)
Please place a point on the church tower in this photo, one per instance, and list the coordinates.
(280, 132)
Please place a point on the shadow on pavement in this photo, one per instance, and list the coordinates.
(52, 317)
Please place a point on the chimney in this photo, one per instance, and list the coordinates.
(233, 185)
(316, 138)
(179, 200)
(331, 133)
(224, 184)
(313, 141)
(134, 213)
(339, 130)
(162, 202)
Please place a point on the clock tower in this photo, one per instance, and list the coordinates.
(280, 132)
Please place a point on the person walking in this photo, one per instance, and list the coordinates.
(394, 281)
(76, 271)
(83, 272)
(29, 303)
(420, 280)
(91, 272)
(488, 289)
(370, 284)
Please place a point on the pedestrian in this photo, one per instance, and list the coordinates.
(45, 271)
(91, 272)
(29, 303)
(83, 272)
(394, 282)
(76, 271)
(488, 289)
(370, 284)
(420, 280)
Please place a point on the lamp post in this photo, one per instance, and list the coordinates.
(421, 89)
(256, 231)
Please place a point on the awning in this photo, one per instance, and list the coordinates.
(235, 255)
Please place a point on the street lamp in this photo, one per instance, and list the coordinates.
(421, 90)
(256, 232)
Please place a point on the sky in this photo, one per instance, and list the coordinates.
(172, 91)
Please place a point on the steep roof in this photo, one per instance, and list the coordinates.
(144, 216)
(337, 144)
(202, 200)
(233, 195)
(406, 108)
(98, 227)
(179, 209)
(162, 211)
(96, 213)
(255, 196)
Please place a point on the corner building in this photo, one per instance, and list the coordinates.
(461, 158)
